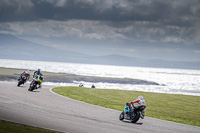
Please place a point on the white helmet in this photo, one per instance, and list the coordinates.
(140, 97)
(27, 71)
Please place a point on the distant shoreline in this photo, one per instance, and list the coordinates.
(123, 65)
(9, 74)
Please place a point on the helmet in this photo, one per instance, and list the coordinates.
(27, 71)
(38, 71)
(140, 97)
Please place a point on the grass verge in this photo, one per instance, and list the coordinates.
(178, 108)
(10, 127)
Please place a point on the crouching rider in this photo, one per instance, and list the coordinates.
(129, 107)
(39, 76)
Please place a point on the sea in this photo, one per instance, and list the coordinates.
(171, 81)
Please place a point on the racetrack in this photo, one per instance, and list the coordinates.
(45, 109)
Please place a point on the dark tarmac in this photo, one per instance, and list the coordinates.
(45, 109)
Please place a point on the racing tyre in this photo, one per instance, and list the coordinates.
(32, 87)
(20, 82)
(121, 116)
(136, 117)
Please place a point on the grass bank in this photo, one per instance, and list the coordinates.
(13, 74)
(178, 108)
(10, 127)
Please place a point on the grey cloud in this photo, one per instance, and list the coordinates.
(107, 10)
(15, 10)
(81, 29)
(134, 20)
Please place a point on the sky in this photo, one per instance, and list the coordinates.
(148, 29)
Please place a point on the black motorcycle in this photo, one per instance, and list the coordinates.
(35, 83)
(22, 80)
(134, 114)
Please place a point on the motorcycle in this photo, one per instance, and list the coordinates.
(22, 79)
(136, 112)
(35, 83)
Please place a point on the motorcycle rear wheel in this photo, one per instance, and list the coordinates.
(136, 117)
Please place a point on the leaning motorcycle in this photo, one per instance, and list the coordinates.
(134, 114)
(35, 83)
(22, 80)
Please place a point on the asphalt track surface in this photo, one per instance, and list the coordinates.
(48, 110)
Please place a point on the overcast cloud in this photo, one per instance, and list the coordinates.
(141, 28)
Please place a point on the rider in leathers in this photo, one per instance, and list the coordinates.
(129, 106)
(26, 74)
(36, 73)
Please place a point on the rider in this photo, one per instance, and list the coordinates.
(92, 86)
(36, 74)
(26, 74)
(81, 85)
(129, 106)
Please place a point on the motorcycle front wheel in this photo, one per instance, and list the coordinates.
(32, 87)
(20, 82)
(121, 116)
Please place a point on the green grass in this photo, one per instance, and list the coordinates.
(10, 127)
(178, 108)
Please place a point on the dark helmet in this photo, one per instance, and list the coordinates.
(38, 71)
